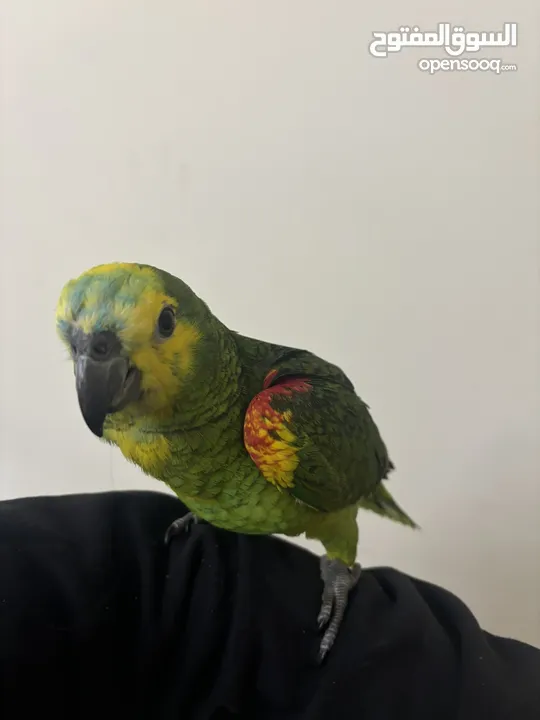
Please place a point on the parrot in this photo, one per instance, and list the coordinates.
(253, 437)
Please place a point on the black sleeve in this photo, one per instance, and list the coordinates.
(98, 619)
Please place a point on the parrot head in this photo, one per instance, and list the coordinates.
(133, 333)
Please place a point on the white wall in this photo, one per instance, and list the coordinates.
(313, 195)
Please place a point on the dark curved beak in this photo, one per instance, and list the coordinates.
(104, 386)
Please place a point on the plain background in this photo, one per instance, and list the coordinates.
(314, 196)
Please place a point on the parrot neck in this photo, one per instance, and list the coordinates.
(214, 387)
(229, 370)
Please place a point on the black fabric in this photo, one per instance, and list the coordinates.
(99, 620)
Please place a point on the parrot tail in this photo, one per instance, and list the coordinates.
(382, 503)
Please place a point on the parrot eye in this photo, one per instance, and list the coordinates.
(166, 322)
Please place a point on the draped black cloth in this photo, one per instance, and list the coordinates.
(99, 619)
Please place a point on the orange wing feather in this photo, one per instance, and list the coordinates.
(268, 436)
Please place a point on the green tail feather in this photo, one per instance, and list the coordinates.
(382, 503)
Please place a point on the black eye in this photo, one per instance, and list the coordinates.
(166, 322)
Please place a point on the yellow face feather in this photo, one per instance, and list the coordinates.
(127, 299)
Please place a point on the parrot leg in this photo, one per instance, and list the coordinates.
(338, 581)
(182, 524)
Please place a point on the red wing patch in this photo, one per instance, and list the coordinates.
(268, 437)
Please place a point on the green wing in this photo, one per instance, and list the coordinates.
(319, 441)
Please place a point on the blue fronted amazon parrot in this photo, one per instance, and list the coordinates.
(253, 437)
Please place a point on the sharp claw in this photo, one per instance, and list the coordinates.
(326, 607)
(338, 582)
(324, 615)
(183, 523)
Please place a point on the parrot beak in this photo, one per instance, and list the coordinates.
(105, 386)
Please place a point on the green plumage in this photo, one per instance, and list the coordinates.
(253, 437)
(342, 459)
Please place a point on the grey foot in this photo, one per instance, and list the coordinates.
(338, 581)
(182, 524)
